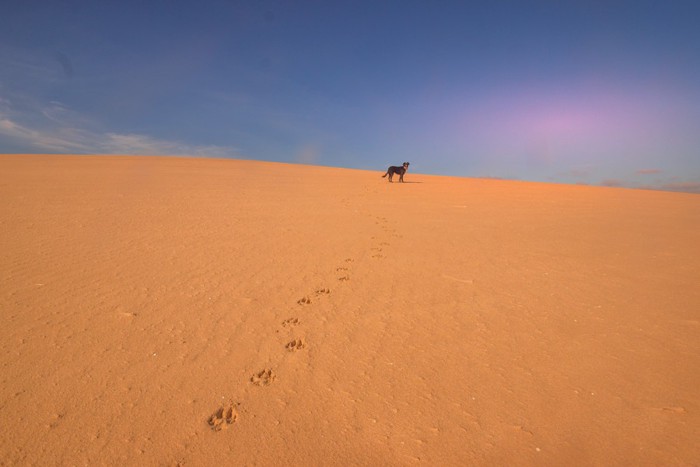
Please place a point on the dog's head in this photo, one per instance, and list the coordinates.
(406, 164)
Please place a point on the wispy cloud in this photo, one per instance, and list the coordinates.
(688, 187)
(113, 143)
(613, 182)
(54, 128)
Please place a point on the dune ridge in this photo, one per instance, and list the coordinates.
(181, 311)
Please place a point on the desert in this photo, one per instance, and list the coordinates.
(191, 311)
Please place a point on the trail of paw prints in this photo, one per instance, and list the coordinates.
(344, 270)
(377, 252)
(294, 344)
(383, 223)
(378, 249)
(223, 417)
(227, 415)
(307, 299)
(380, 220)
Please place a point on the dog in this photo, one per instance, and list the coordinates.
(396, 170)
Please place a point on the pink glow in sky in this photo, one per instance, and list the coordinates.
(583, 126)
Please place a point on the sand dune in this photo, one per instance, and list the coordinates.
(165, 311)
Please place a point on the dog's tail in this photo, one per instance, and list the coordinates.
(387, 173)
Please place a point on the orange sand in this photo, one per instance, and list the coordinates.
(446, 321)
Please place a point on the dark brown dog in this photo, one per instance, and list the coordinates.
(396, 170)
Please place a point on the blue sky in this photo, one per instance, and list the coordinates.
(597, 92)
